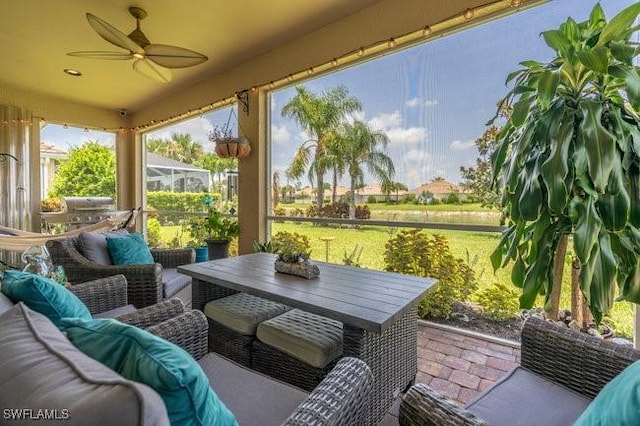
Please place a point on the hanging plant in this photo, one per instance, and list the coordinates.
(568, 163)
(227, 144)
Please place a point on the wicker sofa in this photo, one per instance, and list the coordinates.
(561, 372)
(60, 378)
(147, 284)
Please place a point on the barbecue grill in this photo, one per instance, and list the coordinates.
(80, 211)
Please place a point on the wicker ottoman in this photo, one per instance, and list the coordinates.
(233, 321)
(298, 347)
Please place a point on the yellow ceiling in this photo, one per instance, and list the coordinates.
(36, 35)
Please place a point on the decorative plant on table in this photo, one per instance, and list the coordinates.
(291, 260)
(219, 230)
(568, 163)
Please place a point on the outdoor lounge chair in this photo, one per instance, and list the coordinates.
(561, 372)
(147, 284)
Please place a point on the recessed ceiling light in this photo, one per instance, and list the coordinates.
(72, 72)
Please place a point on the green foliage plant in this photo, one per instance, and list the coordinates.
(220, 227)
(153, 232)
(353, 258)
(415, 252)
(292, 241)
(568, 162)
(90, 171)
(498, 301)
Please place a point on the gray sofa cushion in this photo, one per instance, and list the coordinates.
(41, 369)
(523, 398)
(5, 303)
(253, 398)
(173, 282)
(93, 246)
(115, 313)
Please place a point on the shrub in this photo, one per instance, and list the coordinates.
(153, 232)
(409, 199)
(452, 198)
(499, 301)
(339, 210)
(415, 252)
(177, 201)
(371, 199)
(279, 211)
(50, 205)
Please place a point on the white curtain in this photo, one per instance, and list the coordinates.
(18, 153)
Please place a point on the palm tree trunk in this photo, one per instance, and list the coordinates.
(558, 270)
(352, 200)
(579, 307)
(320, 191)
(335, 185)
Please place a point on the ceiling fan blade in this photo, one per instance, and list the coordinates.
(173, 56)
(154, 71)
(99, 54)
(113, 35)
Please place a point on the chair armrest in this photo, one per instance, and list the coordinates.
(103, 294)
(576, 360)
(342, 398)
(172, 258)
(154, 314)
(188, 330)
(422, 406)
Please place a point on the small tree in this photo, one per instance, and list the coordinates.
(568, 162)
(90, 170)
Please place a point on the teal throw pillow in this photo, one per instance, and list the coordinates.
(129, 249)
(43, 295)
(140, 356)
(618, 403)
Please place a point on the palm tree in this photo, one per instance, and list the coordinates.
(362, 146)
(318, 115)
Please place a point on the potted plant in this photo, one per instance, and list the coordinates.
(293, 261)
(219, 229)
(568, 163)
(198, 238)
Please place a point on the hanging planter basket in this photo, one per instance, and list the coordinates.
(227, 144)
(232, 147)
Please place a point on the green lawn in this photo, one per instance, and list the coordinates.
(474, 246)
(466, 207)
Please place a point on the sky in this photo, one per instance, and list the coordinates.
(432, 100)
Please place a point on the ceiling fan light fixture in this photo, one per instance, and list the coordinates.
(138, 55)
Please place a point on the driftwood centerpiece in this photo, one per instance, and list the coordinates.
(297, 264)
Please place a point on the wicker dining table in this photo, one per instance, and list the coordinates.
(378, 310)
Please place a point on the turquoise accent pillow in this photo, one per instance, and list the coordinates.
(140, 356)
(618, 403)
(43, 295)
(129, 249)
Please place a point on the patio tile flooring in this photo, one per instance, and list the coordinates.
(457, 365)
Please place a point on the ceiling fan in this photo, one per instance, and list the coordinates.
(151, 60)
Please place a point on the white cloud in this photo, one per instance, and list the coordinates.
(386, 121)
(411, 136)
(412, 103)
(415, 102)
(280, 135)
(462, 145)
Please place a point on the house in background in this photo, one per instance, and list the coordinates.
(439, 189)
(167, 174)
(50, 158)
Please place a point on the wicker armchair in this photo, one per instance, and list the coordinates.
(168, 319)
(145, 284)
(575, 361)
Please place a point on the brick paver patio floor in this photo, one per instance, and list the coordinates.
(460, 366)
(457, 365)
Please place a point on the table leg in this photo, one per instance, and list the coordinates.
(392, 357)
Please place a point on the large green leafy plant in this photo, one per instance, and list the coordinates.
(568, 162)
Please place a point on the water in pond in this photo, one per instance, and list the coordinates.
(475, 218)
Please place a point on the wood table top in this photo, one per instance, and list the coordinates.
(365, 298)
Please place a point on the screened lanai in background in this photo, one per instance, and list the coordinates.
(166, 174)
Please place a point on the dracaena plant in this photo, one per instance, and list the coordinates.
(568, 162)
